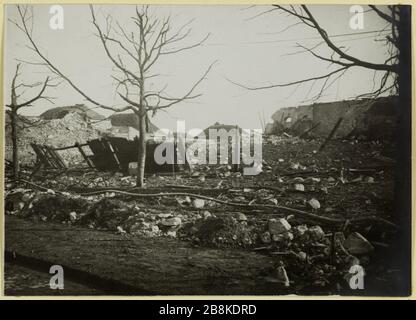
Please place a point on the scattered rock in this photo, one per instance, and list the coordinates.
(171, 233)
(369, 179)
(240, 217)
(281, 276)
(301, 229)
(198, 203)
(273, 200)
(286, 236)
(222, 232)
(314, 204)
(299, 187)
(266, 237)
(294, 166)
(278, 226)
(121, 230)
(302, 255)
(316, 233)
(73, 216)
(356, 244)
(171, 222)
(206, 214)
(164, 215)
(183, 200)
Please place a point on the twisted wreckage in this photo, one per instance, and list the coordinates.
(103, 154)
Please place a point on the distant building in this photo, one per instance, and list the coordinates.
(127, 125)
(220, 126)
(60, 112)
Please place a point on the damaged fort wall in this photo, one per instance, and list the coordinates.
(62, 132)
(328, 114)
(374, 118)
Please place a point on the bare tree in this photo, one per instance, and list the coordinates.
(133, 55)
(17, 101)
(338, 55)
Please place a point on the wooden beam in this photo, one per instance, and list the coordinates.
(331, 134)
(86, 158)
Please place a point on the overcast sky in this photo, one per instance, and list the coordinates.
(250, 50)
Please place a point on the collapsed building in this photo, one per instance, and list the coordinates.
(127, 125)
(78, 137)
(86, 113)
(372, 118)
(71, 128)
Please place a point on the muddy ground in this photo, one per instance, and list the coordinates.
(311, 214)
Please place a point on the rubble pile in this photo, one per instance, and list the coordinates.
(70, 129)
(224, 231)
(303, 250)
(350, 180)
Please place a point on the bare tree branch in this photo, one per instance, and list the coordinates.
(187, 96)
(24, 27)
(344, 55)
(133, 54)
(289, 83)
(339, 56)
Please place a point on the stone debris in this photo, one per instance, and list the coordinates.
(314, 204)
(280, 230)
(369, 179)
(316, 233)
(73, 216)
(281, 276)
(172, 222)
(206, 214)
(307, 247)
(301, 229)
(184, 200)
(198, 203)
(72, 127)
(356, 244)
(266, 237)
(240, 217)
(278, 226)
(299, 187)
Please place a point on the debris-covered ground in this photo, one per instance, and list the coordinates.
(317, 213)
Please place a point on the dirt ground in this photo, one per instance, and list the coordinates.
(21, 281)
(324, 198)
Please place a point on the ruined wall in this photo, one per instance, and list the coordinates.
(373, 118)
(282, 114)
(327, 114)
(57, 133)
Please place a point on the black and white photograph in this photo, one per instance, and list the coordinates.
(207, 150)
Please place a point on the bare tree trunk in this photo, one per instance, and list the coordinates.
(141, 161)
(154, 38)
(13, 120)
